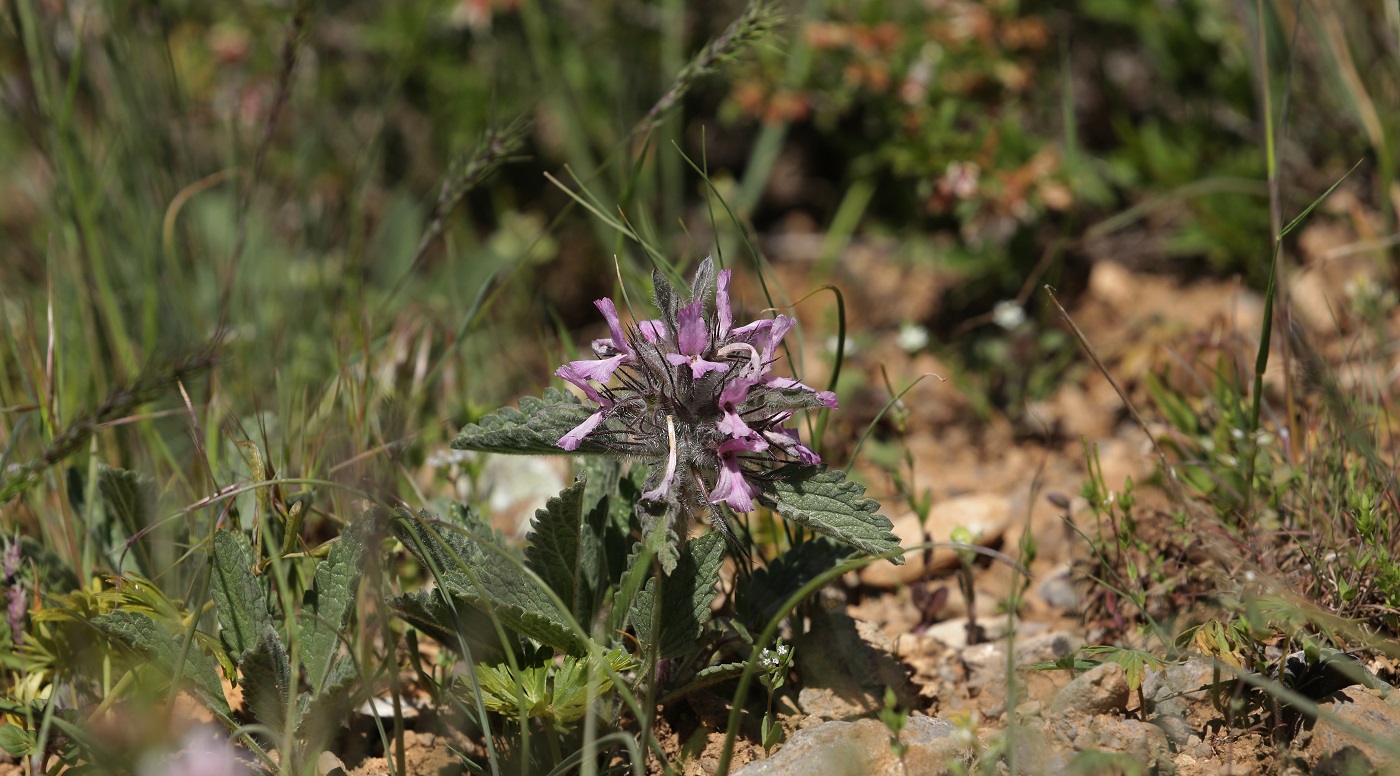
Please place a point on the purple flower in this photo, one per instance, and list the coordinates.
(694, 342)
(734, 488)
(694, 397)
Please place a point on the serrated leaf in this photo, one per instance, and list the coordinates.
(461, 627)
(149, 640)
(533, 429)
(320, 714)
(266, 680)
(760, 595)
(239, 599)
(833, 506)
(686, 595)
(129, 499)
(487, 580)
(329, 602)
(554, 537)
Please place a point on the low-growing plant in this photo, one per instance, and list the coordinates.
(693, 403)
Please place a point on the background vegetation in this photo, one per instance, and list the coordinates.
(307, 243)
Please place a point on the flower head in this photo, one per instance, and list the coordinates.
(695, 397)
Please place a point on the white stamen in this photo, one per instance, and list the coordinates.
(671, 436)
(755, 362)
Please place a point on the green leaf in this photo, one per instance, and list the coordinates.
(16, 740)
(148, 639)
(129, 500)
(459, 625)
(328, 604)
(239, 599)
(774, 399)
(555, 543)
(706, 677)
(686, 595)
(534, 429)
(488, 580)
(573, 685)
(831, 505)
(321, 714)
(760, 595)
(266, 680)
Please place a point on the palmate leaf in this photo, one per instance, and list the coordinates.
(328, 604)
(148, 639)
(826, 502)
(487, 580)
(686, 595)
(534, 429)
(239, 599)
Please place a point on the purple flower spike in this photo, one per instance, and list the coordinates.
(694, 338)
(710, 439)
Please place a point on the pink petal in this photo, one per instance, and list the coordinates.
(722, 308)
(571, 440)
(730, 398)
(698, 366)
(732, 488)
(602, 370)
(781, 326)
(572, 375)
(692, 335)
(653, 330)
(609, 311)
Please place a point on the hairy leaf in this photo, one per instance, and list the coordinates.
(487, 579)
(686, 595)
(129, 500)
(760, 595)
(328, 604)
(320, 714)
(239, 599)
(831, 505)
(460, 626)
(534, 429)
(775, 399)
(555, 549)
(149, 640)
(266, 680)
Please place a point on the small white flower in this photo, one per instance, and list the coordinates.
(912, 337)
(1008, 314)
